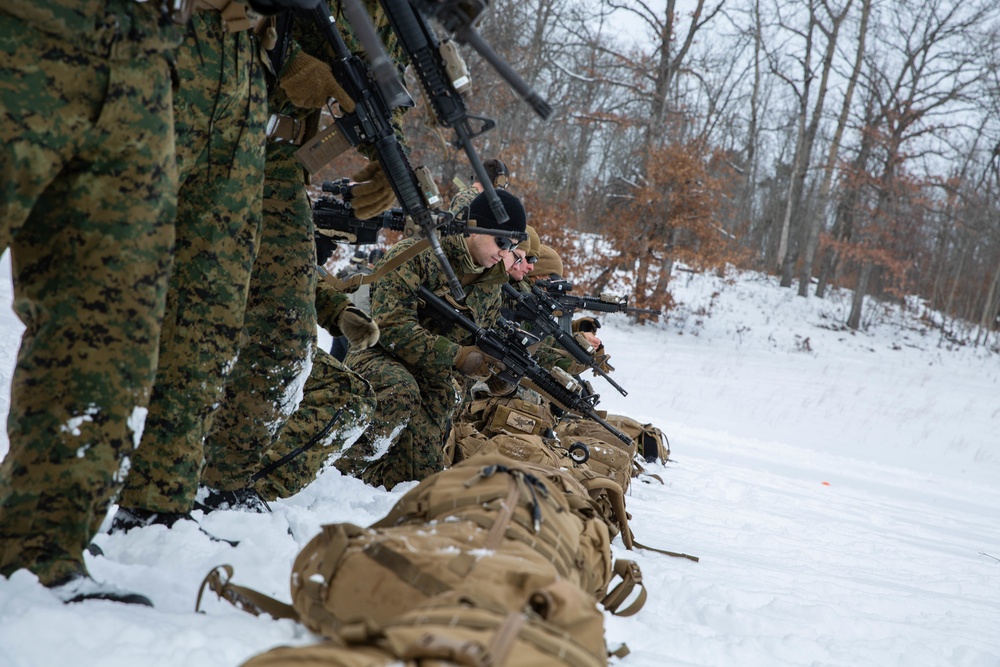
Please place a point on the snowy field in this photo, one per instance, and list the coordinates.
(842, 491)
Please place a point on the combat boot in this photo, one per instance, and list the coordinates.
(244, 500)
(80, 586)
(127, 518)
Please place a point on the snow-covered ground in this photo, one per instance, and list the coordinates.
(842, 490)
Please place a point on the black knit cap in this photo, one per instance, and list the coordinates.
(480, 211)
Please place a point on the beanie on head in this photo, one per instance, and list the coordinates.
(530, 245)
(547, 264)
(480, 211)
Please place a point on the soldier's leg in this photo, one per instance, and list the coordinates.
(397, 396)
(218, 224)
(90, 273)
(418, 451)
(45, 108)
(278, 334)
(336, 408)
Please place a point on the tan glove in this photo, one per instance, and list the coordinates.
(601, 357)
(373, 194)
(473, 362)
(361, 331)
(309, 84)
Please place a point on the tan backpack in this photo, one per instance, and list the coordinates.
(348, 575)
(652, 444)
(556, 629)
(490, 526)
(605, 454)
(510, 415)
(536, 505)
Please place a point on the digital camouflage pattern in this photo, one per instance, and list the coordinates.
(87, 207)
(411, 368)
(337, 406)
(233, 461)
(463, 199)
(221, 113)
(279, 332)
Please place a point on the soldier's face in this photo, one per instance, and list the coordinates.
(520, 267)
(484, 250)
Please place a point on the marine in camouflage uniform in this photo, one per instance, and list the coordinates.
(414, 368)
(220, 108)
(87, 208)
(278, 362)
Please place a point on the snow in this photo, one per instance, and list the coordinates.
(842, 491)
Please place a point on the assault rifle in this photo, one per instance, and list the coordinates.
(509, 345)
(569, 304)
(335, 220)
(371, 122)
(538, 308)
(442, 73)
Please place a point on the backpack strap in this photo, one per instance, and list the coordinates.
(425, 582)
(631, 577)
(359, 279)
(241, 597)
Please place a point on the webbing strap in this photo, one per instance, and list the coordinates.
(241, 597)
(617, 498)
(631, 577)
(507, 506)
(425, 582)
(359, 279)
(504, 638)
(674, 554)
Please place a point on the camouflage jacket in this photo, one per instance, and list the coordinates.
(463, 199)
(118, 28)
(415, 335)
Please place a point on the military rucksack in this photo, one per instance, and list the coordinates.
(537, 505)
(604, 452)
(491, 527)
(557, 628)
(651, 442)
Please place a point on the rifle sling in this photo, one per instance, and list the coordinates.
(359, 279)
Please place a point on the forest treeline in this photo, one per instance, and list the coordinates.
(832, 142)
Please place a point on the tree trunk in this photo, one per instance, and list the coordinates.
(854, 320)
(816, 224)
(990, 307)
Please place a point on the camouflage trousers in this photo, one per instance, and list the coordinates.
(336, 408)
(411, 420)
(87, 185)
(279, 333)
(221, 111)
